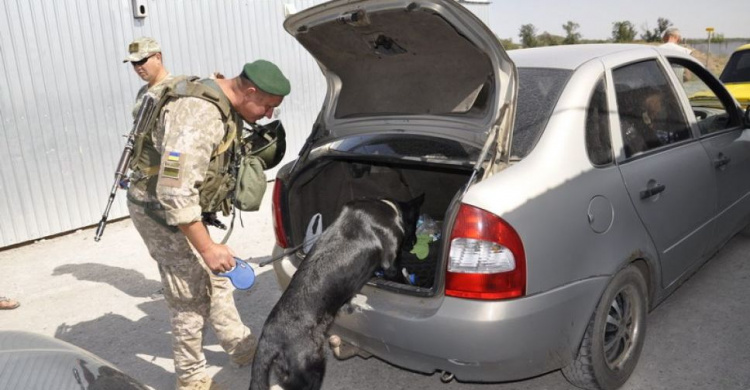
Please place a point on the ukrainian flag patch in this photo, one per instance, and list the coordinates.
(172, 165)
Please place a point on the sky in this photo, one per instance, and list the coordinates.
(728, 17)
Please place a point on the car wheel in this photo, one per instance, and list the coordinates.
(614, 337)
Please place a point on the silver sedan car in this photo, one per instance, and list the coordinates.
(30, 361)
(569, 189)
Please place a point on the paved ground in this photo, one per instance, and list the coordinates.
(104, 297)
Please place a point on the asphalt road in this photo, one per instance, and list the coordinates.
(104, 297)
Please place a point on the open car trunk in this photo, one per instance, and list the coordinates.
(431, 65)
(420, 93)
(324, 189)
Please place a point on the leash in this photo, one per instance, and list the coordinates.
(242, 275)
(314, 230)
(282, 255)
(314, 238)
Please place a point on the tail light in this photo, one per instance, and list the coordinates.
(278, 220)
(486, 259)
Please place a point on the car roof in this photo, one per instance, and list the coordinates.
(743, 47)
(568, 56)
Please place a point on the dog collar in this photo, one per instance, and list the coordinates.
(393, 206)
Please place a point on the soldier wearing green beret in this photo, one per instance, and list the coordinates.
(188, 134)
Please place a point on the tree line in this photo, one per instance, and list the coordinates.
(622, 32)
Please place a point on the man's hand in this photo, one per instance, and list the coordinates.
(218, 257)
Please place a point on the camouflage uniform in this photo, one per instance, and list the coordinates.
(155, 90)
(188, 131)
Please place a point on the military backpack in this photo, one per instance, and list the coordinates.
(218, 191)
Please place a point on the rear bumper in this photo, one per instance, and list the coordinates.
(474, 340)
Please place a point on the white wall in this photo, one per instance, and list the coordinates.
(66, 95)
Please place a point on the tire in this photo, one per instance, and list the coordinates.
(614, 337)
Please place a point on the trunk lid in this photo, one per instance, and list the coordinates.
(427, 68)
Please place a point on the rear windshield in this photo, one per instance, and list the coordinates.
(538, 91)
(407, 146)
(737, 69)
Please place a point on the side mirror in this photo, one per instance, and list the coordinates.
(746, 117)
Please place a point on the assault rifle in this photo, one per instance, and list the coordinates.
(141, 121)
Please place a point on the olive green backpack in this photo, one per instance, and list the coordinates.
(251, 184)
(263, 147)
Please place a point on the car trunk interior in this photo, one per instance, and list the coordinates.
(325, 188)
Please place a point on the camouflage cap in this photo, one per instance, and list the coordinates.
(267, 76)
(141, 48)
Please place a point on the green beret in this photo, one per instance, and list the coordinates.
(267, 76)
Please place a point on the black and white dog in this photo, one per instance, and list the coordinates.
(367, 234)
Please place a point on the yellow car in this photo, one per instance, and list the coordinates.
(736, 75)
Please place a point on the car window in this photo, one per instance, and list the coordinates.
(737, 69)
(709, 101)
(538, 91)
(598, 144)
(648, 109)
(407, 146)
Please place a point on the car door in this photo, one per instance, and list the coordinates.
(736, 75)
(666, 170)
(718, 120)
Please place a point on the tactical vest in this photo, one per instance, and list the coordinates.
(219, 182)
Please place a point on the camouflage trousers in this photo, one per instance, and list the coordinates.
(194, 296)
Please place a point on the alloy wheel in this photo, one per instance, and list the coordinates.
(622, 330)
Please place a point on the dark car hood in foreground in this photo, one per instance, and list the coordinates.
(29, 361)
(422, 67)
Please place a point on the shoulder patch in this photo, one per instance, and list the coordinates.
(171, 167)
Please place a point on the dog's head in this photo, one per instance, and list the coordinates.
(409, 217)
(408, 214)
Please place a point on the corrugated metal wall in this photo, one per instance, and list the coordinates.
(66, 96)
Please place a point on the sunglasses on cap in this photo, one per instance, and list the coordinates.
(141, 62)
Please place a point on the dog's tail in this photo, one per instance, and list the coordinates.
(261, 371)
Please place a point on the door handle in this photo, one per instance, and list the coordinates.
(649, 192)
(721, 161)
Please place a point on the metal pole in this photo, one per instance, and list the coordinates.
(708, 55)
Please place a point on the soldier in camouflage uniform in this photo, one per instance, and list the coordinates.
(187, 133)
(146, 58)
